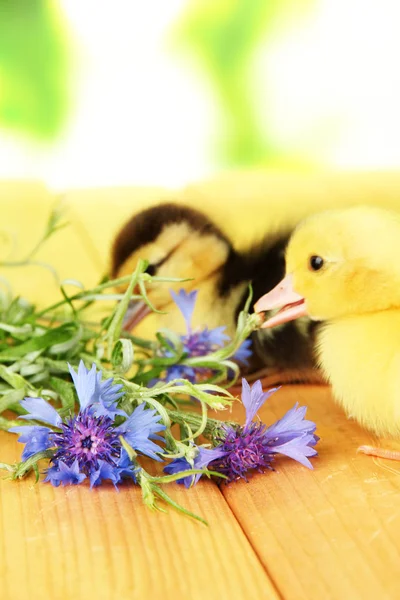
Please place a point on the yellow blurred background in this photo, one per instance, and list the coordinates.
(256, 111)
(98, 93)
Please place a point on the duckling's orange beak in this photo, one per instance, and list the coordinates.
(291, 305)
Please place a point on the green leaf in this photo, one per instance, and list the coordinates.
(73, 282)
(137, 341)
(146, 300)
(6, 424)
(40, 377)
(18, 310)
(145, 376)
(164, 496)
(23, 468)
(13, 379)
(58, 335)
(7, 467)
(66, 392)
(22, 330)
(212, 395)
(55, 366)
(69, 344)
(115, 326)
(172, 341)
(122, 356)
(10, 398)
(29, 370)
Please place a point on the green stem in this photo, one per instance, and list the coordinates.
(164, 496)
(213, 428)
(6, 424)
(202, 424)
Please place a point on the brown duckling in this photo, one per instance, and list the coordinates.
(181, 242)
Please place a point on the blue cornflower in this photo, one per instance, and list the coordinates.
(199, 342)
(185, 301)
(253, 445)
(140, 429)
(101, 395)
(202, 459)
(65, 474)
(243, 353)
(35, 438)
(88, 444)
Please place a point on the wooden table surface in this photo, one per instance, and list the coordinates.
(296, 534)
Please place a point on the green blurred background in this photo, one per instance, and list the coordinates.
(163, 92)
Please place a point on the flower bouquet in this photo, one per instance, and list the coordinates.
(89, 400)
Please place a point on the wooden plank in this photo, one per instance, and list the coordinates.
(329, 533)
(76, 543)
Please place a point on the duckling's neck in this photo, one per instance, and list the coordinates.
(360, 357)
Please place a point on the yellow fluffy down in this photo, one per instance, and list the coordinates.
(360, 356)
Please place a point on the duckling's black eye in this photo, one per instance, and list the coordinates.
(151, 270)
(316, 263)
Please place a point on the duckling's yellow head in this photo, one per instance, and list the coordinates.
(338, 263)
(178, 242)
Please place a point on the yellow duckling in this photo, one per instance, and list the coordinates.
(343, 269)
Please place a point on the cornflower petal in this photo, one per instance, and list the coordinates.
(204, 457)
(109, 392)
(243, 353)
(67, 475)
(185, 301)
(293, 420)
(104, 471)
(139, 428)
(177, 466)
(53, 476)
(125, 466)
(298, 449)
(101, 409)
(40, 410)
(180, 372)
(36, 438)
(253, 398)
(213, 337)
(85, 383)
(91, 391)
